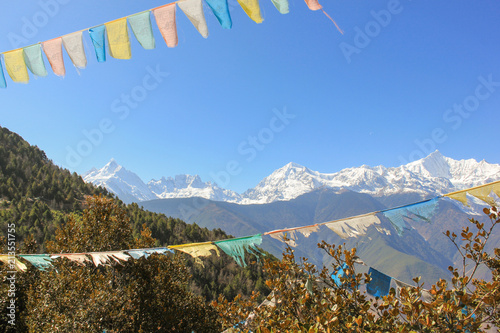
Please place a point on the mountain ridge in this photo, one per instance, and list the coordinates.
(431, 175)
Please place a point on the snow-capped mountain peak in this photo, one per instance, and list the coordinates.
(432, 175)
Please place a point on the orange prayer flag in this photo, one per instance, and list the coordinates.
(165, 19)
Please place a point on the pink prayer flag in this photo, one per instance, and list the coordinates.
(313, 4)
(165, 19)
(53, 51)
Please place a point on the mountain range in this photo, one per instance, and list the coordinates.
(430, 176)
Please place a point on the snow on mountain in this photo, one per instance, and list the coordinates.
(120, 181)
(187, 186)
(434, 174)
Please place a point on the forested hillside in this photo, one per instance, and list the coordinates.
(39, 196)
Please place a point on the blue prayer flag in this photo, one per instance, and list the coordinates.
(98, 34)
(380, 283)
(3, 83)
(221, 11)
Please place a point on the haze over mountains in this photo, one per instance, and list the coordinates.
(430, 176)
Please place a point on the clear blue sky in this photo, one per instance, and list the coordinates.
(357, 98)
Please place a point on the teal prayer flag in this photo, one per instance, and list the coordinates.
(40, 261)
(236, 247)
(34, 61)
(281, 6)
(98, 34)
(142, 29)
(3, 83)
(221, 11)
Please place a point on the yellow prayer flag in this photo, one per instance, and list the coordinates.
(16, 67)
(118, 39)
(197, 250)
(252, 9)
(483, 192)
(459, 196)
(13, 263)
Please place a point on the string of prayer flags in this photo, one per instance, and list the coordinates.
(13, 263)
(193, 9)
(165, 19)
(98, 37)
(252, 9)
(379, 284)
(73, 43)
(481, 192)
(40, 261)
(419, 211)
(282, 6)
(34, 61)
(53, 52)
(80, 259)
(139, 253)
(352, 226)
(3, 83)
(220, 9)
(118, 39)
(236, 247)
(104, 258)
(197, 250)
(16, 67)
(142, 29)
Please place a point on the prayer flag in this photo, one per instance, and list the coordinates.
(221, 11)
(136, 254)
(3, 83)
(73, 43)
(13, 263)
(103, 258)
(16, 67)
(281, 6)
(34, 60)
(313, 4)
(118, 40)
(142, 29)
(340, 272)
(380, 283)
(419, 211)
(236, 247)
(353, 226)
(40, 261)
(252, 9)
(53, 51)
(197, 250)
(193, 9)
(165, 19)
(80, 259)
(400, 285)
(481, 192)
(97, 34)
